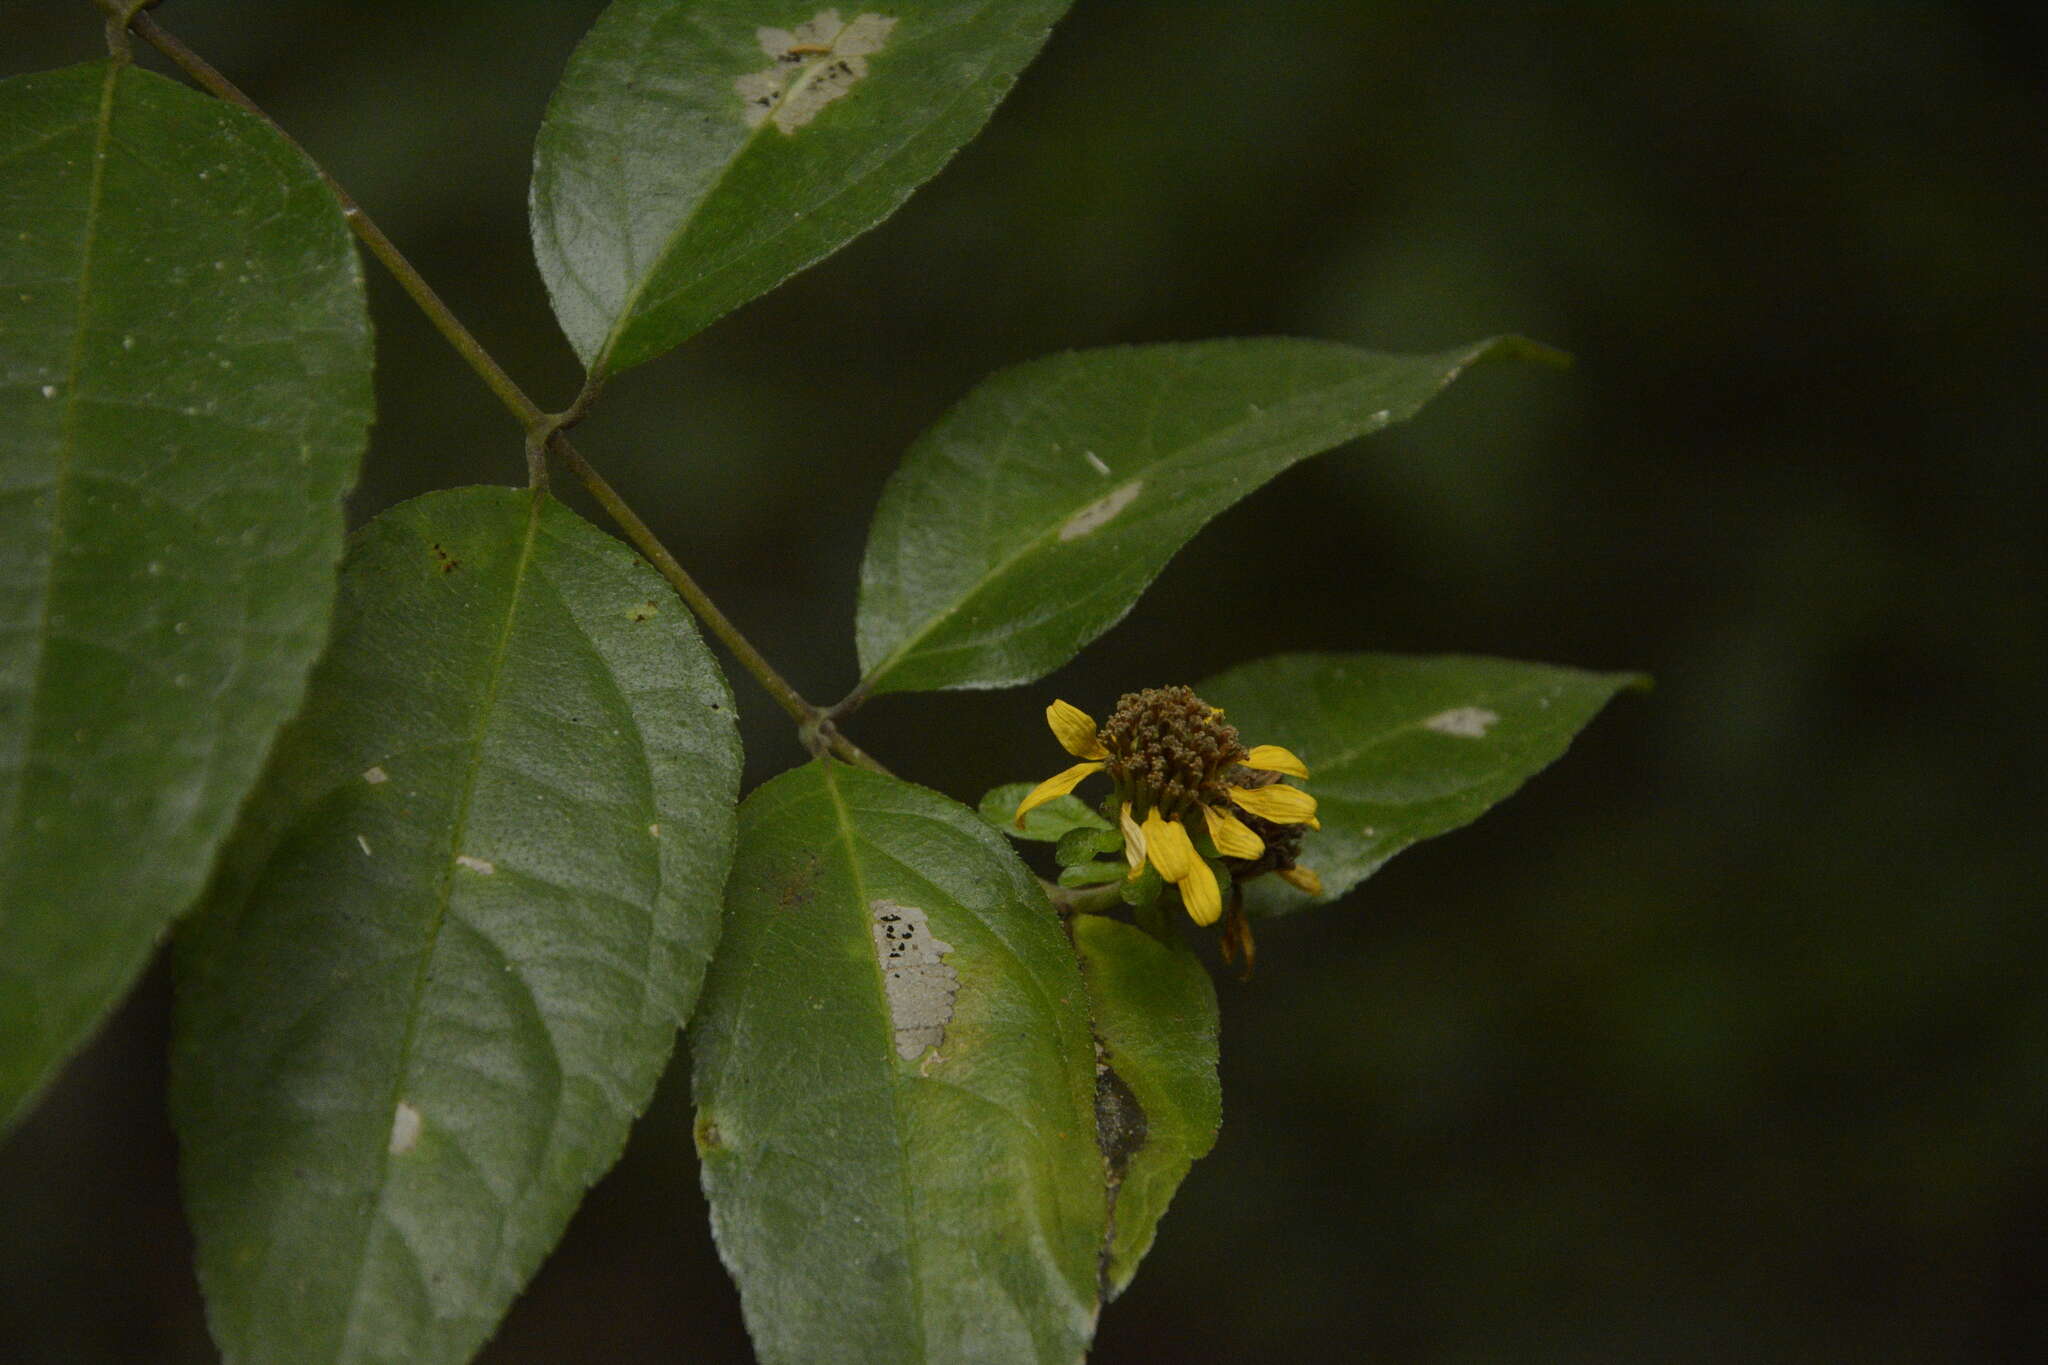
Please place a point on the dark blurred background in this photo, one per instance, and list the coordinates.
(1726, 1039)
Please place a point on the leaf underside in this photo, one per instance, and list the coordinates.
(699, 152)
(1401, 749)
(184, 399)
(1033, 515)
(454, 936)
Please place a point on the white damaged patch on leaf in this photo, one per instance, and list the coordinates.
(1102, 511)
(920, 985)
(405, 1129)
(812, 65)
(1466, 722)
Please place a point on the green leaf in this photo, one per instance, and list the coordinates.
(1078, 846)
(184, 399)
(1158, 1101)
(1402, 749)
(900, 1158)
(1091, 874)
(1032, 516)
(1042, 824)
(1142, 892)
(672, 182)
(454, 936)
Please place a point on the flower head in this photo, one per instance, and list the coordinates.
(1182, 776)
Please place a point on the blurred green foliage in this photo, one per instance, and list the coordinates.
(1724, 1041)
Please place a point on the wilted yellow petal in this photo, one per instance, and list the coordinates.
(1275, 759)
(1134, 842)
(1234, 838)
(1075, 730)
(1199, 893)
(1280, 803)
(1302, 879)
(1054, 786)
(1168, 846)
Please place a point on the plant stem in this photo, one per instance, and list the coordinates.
(644, 540)
(120, 14)
(467, 346)
(545, 431)
(848, 704)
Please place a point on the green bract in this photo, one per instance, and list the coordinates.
(1047, 824)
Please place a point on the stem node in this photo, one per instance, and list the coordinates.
(546, 432)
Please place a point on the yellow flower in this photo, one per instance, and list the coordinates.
(1179, 769)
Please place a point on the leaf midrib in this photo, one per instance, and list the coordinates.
(102, 137)
(1501, 696)
(860, 891)
(601, 364)
(459, 827)
(896, 657)
(626, 314)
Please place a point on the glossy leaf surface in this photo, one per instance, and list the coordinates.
(699, 152)
(1029, 520)
(1401, 749)
(454, 936)
(895, 1086)
(184, 399)
(1158, 1102)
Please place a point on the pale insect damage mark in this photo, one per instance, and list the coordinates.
(476, 865)
(363, 842)
(405, 1129)
(1466, 722)
(1102, 511)
(375, 775)
(813, 64)
(1095, 463)
(919, 984)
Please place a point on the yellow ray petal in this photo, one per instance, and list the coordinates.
(1234, 838)
(1134, 843)
(1167, 845)
(1199, 893)
(1280, 803)
(1275, 759)
(1302, 879)
(1054, 786)
(1075, 730)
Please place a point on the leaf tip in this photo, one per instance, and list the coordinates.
(1515, 347)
